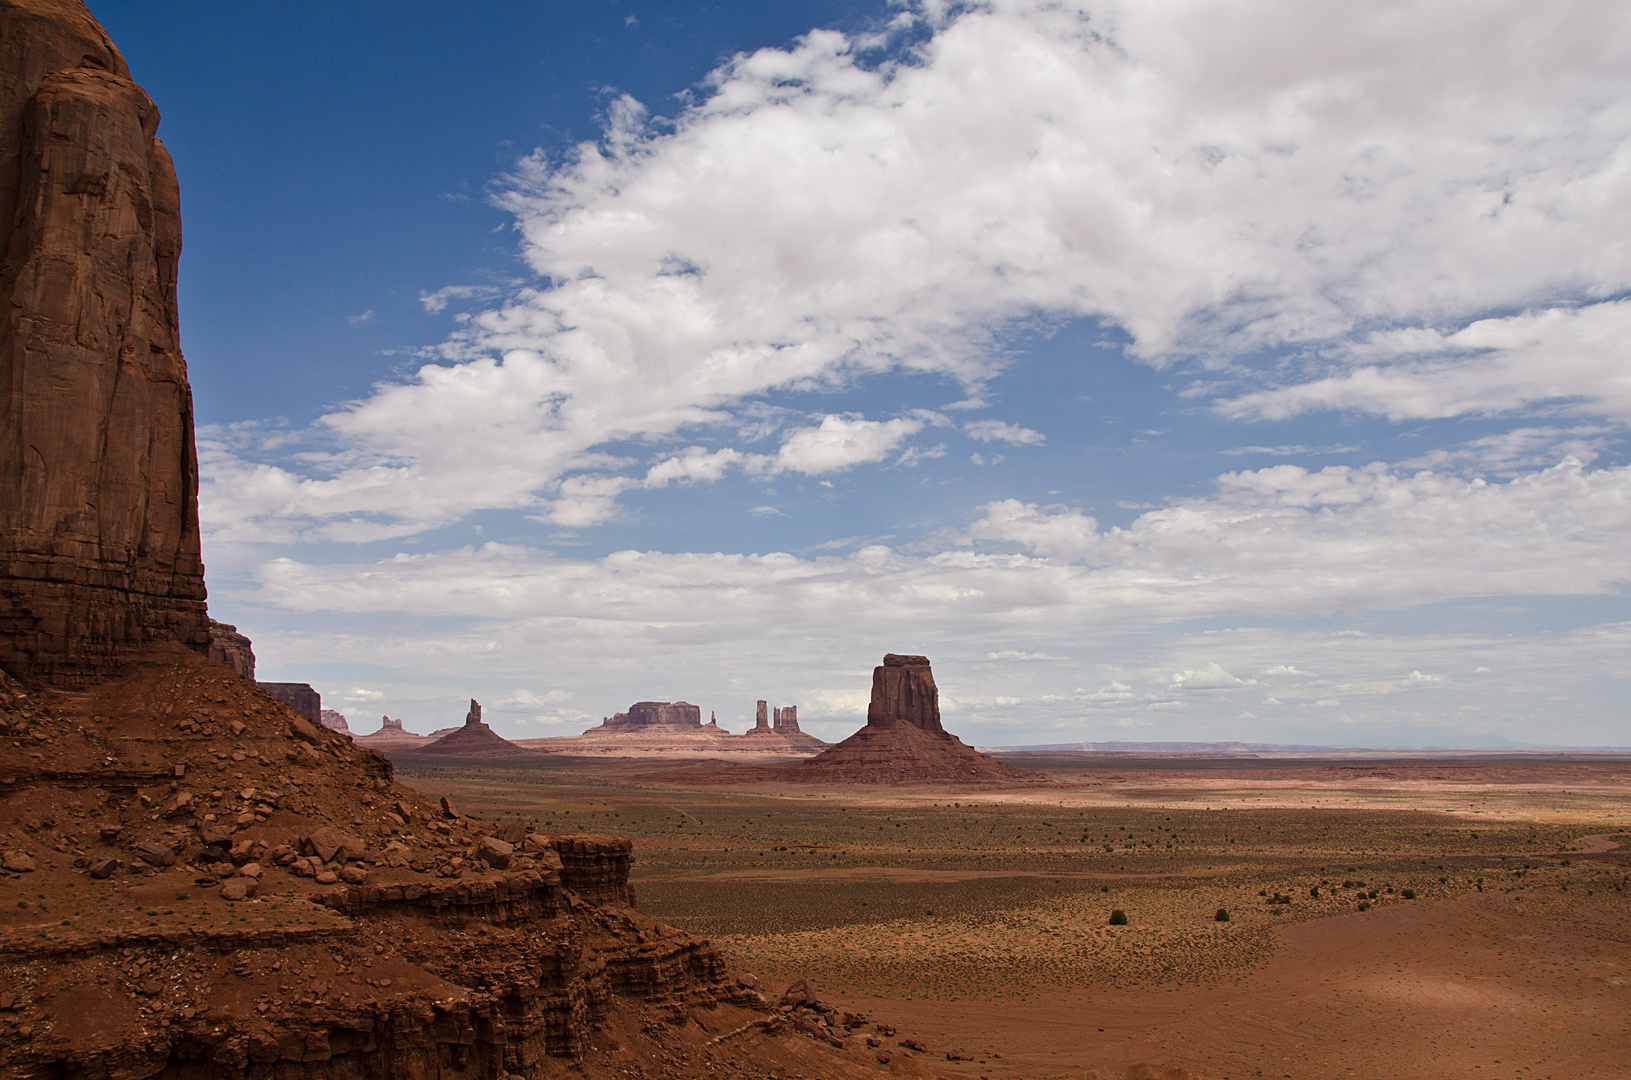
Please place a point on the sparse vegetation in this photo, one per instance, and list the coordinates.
(1018, 901)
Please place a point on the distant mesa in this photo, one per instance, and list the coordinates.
(903, 740)
(391, 736)
(474, 739)
(644, 716)
(676, 728)
(334, 721)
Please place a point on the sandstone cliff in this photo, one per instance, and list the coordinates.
(233, 649)
(99, 545)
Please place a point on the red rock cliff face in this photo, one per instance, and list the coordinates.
(903, 691)
(99, 546)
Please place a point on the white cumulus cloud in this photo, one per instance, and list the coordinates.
(1356, 186)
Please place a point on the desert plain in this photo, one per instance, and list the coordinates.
(1387, 916)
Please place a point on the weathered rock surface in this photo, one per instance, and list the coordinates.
(903, 741)
(233, 649)
(334, 721)
(903, 692)
(99, 544)
(303, 698)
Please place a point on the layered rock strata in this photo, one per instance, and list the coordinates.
(252, 895)
(903, 741)
(334, 721)
(99, 543)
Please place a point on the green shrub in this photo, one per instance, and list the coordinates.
(1118, 917)
(1408, 894)
(1222, 915)
(1364, 905)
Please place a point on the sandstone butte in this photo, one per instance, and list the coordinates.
(903, 741)
(474, 739)
(196, 880)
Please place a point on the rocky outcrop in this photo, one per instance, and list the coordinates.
(299, 696)
(903, 741)
(474, 739)
(99, 543)
(315, 919)
(229, 647)
(334, 721)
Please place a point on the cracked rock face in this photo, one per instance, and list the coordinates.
(99, 545)
(903, 692)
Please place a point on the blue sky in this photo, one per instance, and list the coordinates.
(1164, 371)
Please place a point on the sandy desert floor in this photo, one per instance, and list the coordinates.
(1390, 918)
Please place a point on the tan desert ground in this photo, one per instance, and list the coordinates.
(1387, 918)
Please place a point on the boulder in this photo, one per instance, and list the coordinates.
(495, 852)
(329, 843)
(18, 862)
(304, 730)
(155, 854)
(239, 889)
(102, 868)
